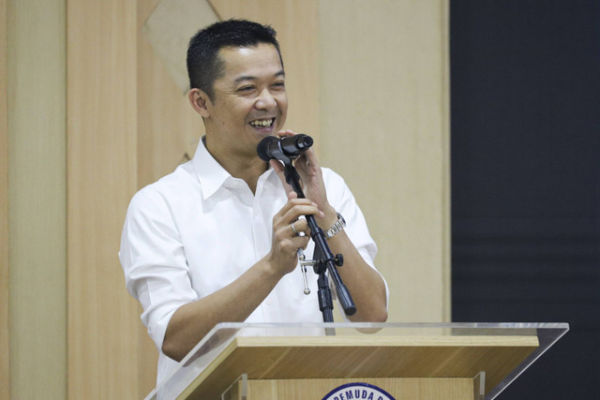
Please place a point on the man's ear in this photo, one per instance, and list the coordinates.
(199, 101)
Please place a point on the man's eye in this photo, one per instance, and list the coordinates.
(245, 88)
(279, 84)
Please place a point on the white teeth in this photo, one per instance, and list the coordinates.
(262, 122)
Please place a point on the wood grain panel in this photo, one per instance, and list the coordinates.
(4, 297)
(359, 357)
(36, 197)
(103, 320)
(167, 133)
(445, 173)
(400, 388)
(146, 351)
(384, 122)
(168, 128)
(296, 23)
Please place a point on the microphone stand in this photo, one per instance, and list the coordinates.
(323, 259)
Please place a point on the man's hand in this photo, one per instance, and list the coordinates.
(286, 229)
(365, 284)
(311, 177)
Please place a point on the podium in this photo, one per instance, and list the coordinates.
(417, 361)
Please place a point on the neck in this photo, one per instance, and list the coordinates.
(248, 171)
(248, 167)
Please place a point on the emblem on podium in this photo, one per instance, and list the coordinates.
(358, 391)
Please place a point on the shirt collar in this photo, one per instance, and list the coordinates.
(211, 174)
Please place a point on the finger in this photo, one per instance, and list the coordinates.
(307, 165)
(299, 242)
(289, 245)
(292, 202)
(276, 165)
(295, 231)
(296, 211)
(292, 195)
(286, 132)
(300, 227)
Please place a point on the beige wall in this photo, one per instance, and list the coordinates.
(168, 128)
(297, 26)
(127, 123)
(36, 198)
(4, 321)
(384, 123)
(103, 321)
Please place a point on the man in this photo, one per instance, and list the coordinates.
(217, 240)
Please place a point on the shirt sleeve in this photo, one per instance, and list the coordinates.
(342, 199)
(154, 263)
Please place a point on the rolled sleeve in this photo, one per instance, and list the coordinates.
(154, 263)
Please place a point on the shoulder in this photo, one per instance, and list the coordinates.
(165, 192)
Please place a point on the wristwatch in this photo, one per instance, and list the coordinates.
(337, 226)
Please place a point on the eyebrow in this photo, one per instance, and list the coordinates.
(251, 78)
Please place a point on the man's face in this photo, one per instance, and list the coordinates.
(249, 101)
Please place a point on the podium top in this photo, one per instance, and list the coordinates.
(338, 350)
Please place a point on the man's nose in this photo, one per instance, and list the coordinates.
(265, 100)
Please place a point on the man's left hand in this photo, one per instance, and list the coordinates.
(311, 177)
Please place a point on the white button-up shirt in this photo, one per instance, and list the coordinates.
(198, 229)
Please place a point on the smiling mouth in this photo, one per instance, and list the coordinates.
(262, 123)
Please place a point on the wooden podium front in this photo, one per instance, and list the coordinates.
(408, 361)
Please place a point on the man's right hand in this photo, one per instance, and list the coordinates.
(286, 229)
(236, 301)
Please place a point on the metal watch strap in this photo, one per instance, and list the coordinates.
(337, 226)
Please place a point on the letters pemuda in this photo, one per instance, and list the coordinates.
(358, 391)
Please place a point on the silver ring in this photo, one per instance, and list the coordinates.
(294, 229)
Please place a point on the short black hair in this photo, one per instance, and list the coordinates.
(203, 63)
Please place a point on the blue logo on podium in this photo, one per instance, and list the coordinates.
(358, 391)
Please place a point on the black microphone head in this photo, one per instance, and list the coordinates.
(264, 145)
(303, 141)
(295, 145)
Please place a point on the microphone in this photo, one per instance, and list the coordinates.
(284, 149)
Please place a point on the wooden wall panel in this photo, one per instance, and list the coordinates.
(36, 198)
(384, 123)
(296, 23)
(375, 76)
(128, 124)
(4, 297)
(147, 169)
(168, 131)
(103, 320)
(168, 127)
